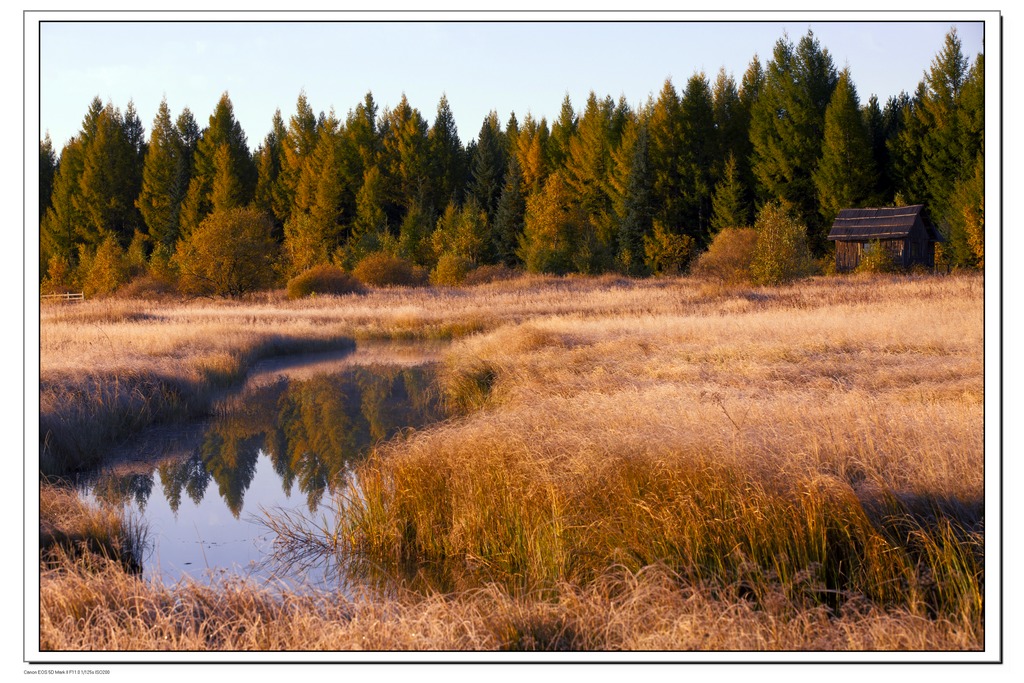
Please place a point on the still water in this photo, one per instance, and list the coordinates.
(284, 443)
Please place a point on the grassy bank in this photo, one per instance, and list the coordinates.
(73, 533)
(661, 464)
(623, 611)
(823, 439)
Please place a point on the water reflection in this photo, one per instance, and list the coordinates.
(276, 437)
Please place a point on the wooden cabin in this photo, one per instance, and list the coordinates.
(900, 230)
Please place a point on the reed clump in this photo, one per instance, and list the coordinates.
(74, 533)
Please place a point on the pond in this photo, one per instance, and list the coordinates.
(284, 443)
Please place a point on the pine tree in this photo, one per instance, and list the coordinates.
(875, 124)
(226, 190)
(905, 146)
(447, 156)
(223, 130)
(314, 229)
(59, 237)
(268, 158)
(636, 208)
(107, 186)
(299, 141)
(553, 239)
(370, 216)
(665, 130)
(160, 199)
(943, 155)
(730, 208)
(405, 149)
(508, 221)
(845, 176)
(57, 234)
(562, 132)
(531, 145)
(47, 171)
(487, 167)
(586, 165)
(787, 127)
(700, 155)
(732, 121)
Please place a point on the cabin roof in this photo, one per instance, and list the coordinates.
(882, 223)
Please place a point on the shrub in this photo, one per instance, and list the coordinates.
(148, 286)
(876, 259)
(381, 269)
(781, 253)
(451, 269)
(230, 253)
(729, 256)
(490, 273)
(108, 269)
(60, 276)
(667, 253)
(323, 279)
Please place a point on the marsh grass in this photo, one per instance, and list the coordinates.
(829, 451)
(104, 609)
(656, 464)
(76, 533)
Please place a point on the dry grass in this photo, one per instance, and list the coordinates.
(70, 531)
(661, 464)
(650, 610)
(806, 439)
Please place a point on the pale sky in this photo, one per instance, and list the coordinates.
(505, 66)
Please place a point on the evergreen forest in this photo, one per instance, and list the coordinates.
(605, 187)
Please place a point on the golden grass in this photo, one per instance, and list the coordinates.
(659, 464)
(72, 531)
(649, 610)
(833, 450)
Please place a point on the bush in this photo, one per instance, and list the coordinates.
(781, 253)
(230, 253)
(108, 269)
(490, 273)
(729, 256)
(381, 269)
(667, 253)
(451, 270)
(323, 279)
(60, 276)
(148, 286)
(875, 259)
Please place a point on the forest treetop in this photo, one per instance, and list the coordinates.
(603, 186)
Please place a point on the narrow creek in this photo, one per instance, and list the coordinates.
(283, 443)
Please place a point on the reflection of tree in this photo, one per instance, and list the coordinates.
(319, 427)
(187, 475)
(312, 431)
(119, 489)
(231, 461)
(328, 422)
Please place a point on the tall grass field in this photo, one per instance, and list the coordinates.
(662, 464)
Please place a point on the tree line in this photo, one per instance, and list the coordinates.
(637, 190)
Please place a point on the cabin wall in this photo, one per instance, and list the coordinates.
(849, 254)
(904, 252)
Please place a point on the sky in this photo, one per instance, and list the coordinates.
(523, 66)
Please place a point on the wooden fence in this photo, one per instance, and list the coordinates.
(68, 296)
